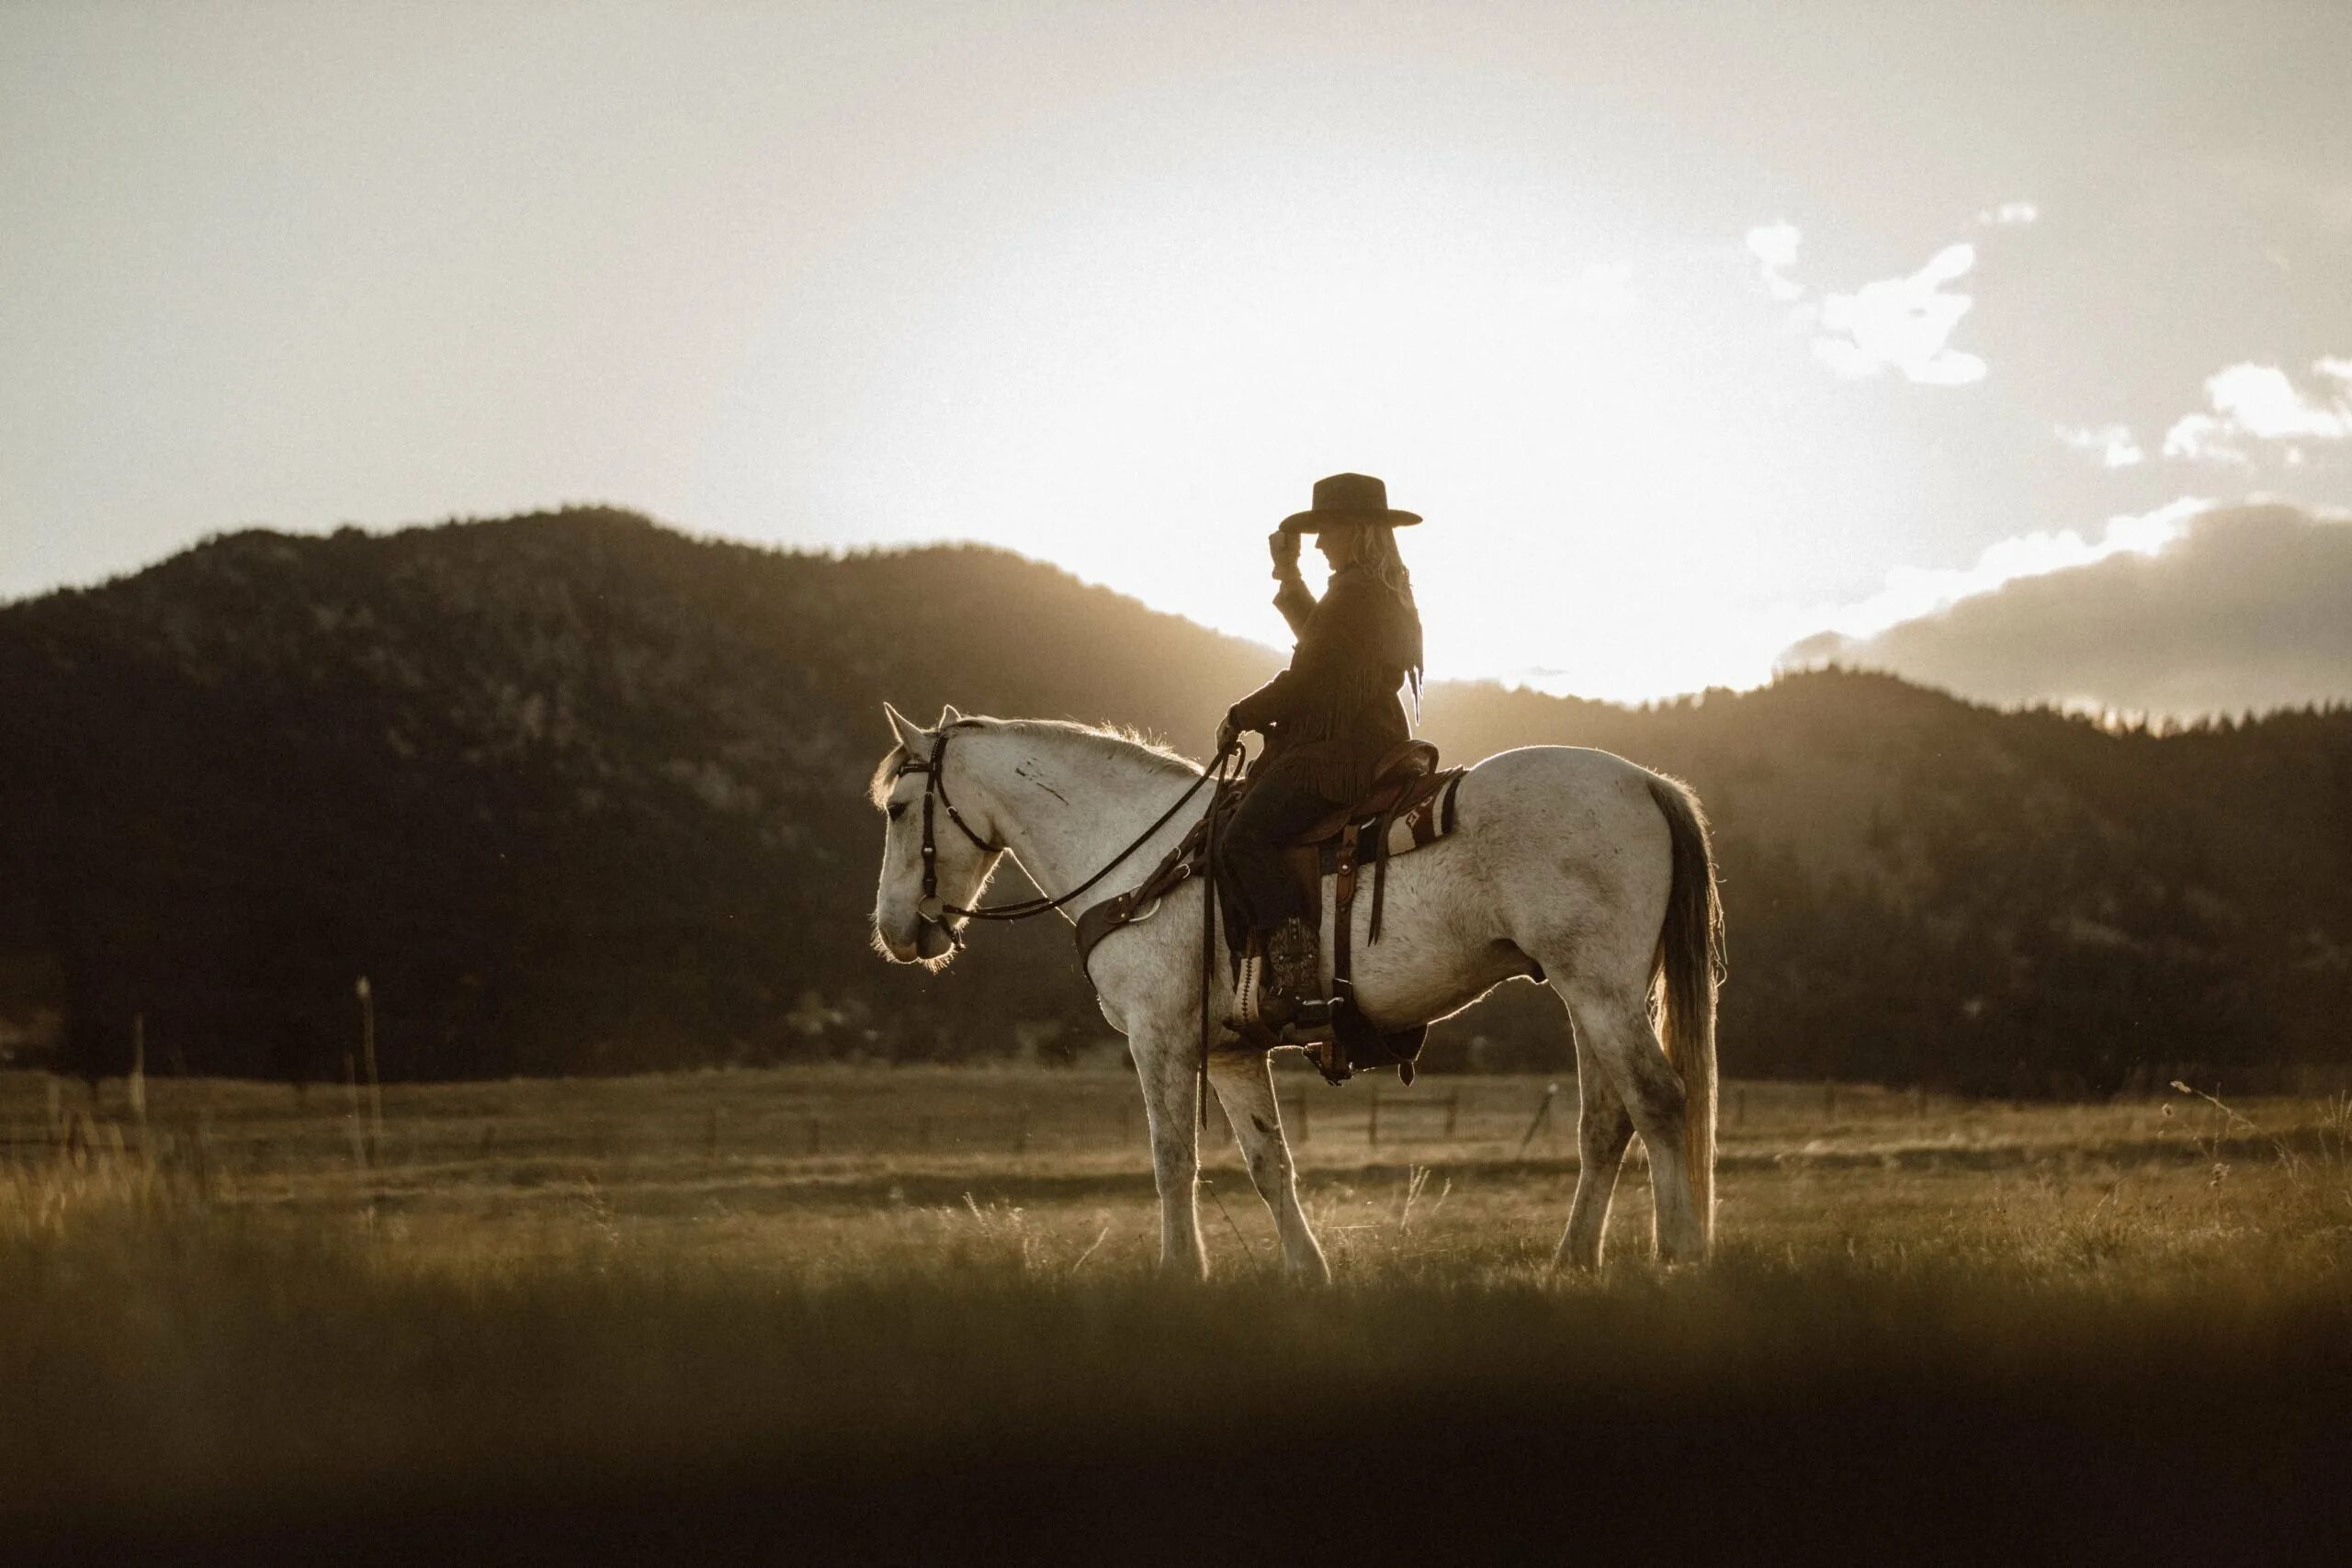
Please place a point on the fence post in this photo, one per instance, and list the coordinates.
(350, 1098)
(138, 1085)
(1021, 1136)
(1302, 1133)
(1452, 1111)
(375, 1084)
(1542, 1113)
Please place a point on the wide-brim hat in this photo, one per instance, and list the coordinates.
(1349, 498)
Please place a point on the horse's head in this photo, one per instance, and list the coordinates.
(908, 927)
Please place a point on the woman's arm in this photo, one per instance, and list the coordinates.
(1296, 601)
(1268, 705)
(1294, 598)
(1344, 654)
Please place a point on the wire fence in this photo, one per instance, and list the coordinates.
(837, 1116)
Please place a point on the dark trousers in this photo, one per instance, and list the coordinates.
(1249, 855)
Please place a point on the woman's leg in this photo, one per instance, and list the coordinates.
(1277, 809)
(1282, 919)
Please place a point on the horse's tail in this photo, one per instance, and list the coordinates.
(1684, 975)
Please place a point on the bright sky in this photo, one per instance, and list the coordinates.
(1692, 329)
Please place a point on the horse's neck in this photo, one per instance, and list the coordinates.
(1066, 804)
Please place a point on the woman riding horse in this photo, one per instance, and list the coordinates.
(1328, 720)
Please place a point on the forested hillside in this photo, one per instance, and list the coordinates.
(578, 792)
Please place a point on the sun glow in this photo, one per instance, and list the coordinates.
(1137, 381)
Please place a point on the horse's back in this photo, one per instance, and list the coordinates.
(1558, 775)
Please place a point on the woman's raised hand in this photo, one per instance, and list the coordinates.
(1283, 544)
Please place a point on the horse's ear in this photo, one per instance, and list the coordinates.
(909, 732)
(948, 715)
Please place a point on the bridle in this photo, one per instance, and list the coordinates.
(935, 911)
(934, 794)
(932, 911)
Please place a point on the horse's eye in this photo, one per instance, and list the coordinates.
(897, 810)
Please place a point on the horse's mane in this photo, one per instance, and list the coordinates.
(1158, 752)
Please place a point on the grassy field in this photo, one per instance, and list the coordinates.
(883, 1309)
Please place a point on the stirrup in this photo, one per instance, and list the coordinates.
(1330, 1059)
(1311, 1025)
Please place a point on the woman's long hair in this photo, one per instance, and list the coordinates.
(1376, 552)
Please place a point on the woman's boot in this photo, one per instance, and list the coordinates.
(1294, 977)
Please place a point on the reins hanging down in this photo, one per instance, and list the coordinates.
(1209, 921)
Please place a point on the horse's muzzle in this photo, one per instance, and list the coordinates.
(936, 939)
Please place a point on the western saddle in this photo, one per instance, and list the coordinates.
(1409, 804)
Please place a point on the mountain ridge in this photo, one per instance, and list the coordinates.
(579, 792)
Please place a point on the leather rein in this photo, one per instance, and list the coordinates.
(935, 911)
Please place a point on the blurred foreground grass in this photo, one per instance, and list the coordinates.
(253, 1321)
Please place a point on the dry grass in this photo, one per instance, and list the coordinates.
(620, 1289)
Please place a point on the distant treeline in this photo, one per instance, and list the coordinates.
(579, 794)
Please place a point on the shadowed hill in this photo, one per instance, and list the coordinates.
(580, 793)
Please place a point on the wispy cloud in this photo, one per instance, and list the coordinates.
(1774, 245)
(2202, 438)
(2008, 215)
(1912, 592)
(1903, 324)
(2116, 446)
(2262, 403)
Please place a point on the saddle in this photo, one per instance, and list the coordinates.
(1409, 804)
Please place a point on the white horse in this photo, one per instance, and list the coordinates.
(1576, 861)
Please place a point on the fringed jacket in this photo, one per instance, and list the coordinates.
(1332, 716)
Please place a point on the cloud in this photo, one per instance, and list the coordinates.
(2228, 608)
(1774, 245)
(2262, 403)
(2260, 400)
(2115, 443)
(2008, 215)
(1904, 324)
(1911, 592)
(2200, 437)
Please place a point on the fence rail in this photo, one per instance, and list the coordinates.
(837, 1117)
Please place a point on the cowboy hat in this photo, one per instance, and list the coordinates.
(1347, 498)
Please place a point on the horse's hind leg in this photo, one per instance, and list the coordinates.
(1603, 1129)
(1613, 1025)
(1245, 1087)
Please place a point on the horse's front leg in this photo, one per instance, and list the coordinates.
(1245, 1087)
(1167, 1063)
